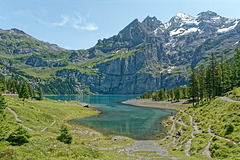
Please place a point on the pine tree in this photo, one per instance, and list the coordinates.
(19, 136)
(208, 84)
(201, 81)
(193, 85)
(24, 93)
(3, 104)
(172, 94)
(161, 95)
(40, 93)
(3, 124)
(66, 136)
(184, 92)
(236, 69)
(177, 93)
(226, 74)
(213, 78)
(1, 85)
(13, 88)
(155, 96)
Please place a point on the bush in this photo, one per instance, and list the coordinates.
(230, 129)
(19, 136)
(66, 135)
(214, 138)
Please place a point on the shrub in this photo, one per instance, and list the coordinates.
(230, 129)
(66, 135)
(214, 138)
(19, 136)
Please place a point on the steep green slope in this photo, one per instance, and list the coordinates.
(43, 120)
(214, 123)
(28, 59)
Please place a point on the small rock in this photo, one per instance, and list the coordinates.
(86, 105)
(118, 138)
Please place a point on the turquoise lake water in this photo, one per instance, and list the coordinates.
(120, 119)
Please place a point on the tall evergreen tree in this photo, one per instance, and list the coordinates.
(3, 104)
(31, 90)
(172, 94)
(1, 85)
(193, 85)
(213, 77)
(201, 80)
(177, 93)
(24, 93)
(184, 92)
(3, 123)
(236, 69)
(168, 95)
(2, 99)
(226, 75)
(40, 93)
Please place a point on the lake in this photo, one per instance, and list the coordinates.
(139, 123)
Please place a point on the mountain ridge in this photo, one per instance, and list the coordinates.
(144, 56)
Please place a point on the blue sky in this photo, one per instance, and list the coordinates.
(78, 24)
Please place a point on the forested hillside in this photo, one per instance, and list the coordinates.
(216, 78)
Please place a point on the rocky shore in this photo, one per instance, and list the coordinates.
(153, 104)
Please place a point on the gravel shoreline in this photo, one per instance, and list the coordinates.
(153, 104)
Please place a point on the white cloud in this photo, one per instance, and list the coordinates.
(77, 22)
(65, 20)
(87, 27)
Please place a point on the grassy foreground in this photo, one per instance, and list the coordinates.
(43, 144)
(209, 130)
(223, 119)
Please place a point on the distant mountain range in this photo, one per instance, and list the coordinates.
(144, 56)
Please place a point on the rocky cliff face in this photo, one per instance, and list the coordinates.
(144, 56)
(167, 51)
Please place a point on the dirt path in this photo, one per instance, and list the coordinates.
(48, 126)
(213, 134)
(148, 147)
(206, 152)
(15, 114)
(173, 128)
(227, 99)
(189, 142)
(17, 118)
(188, 146)
(179, 121)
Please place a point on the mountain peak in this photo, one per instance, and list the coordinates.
(207, 15)
(151, 23)
(148, 18)
(16, 31)
(135, 23)
(183, 16)
(180, 17)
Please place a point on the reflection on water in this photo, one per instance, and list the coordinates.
(120, 119)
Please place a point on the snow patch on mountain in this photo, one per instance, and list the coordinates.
(223, 30)
(168, 24)
(191, 30)
(161, 28)
(182, 31)
(177, 31)
(216, 18)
